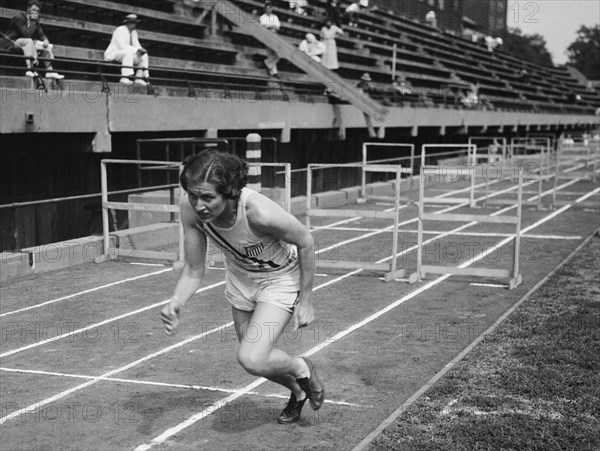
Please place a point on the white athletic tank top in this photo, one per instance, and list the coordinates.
(245, 249)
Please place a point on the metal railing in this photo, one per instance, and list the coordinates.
(203, 84)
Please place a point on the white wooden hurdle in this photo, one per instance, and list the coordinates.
(497, 148)
(390, 269)
(520, 146)
(534, 165)
(176, 257)
(122, 252)
(577, 161)
(423, 269)
(366, 162)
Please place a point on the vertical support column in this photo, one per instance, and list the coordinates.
(105, 225)
(288, 187)
(420, 225)
(556, 174)
(363, 175)
(253, 155)
(396, 218)
(516, 280)
(213, 22)
(308, 195)
(412, 171)
(180, 263)
(472, 191)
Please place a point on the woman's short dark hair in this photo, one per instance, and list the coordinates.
(226, 171)
(31, 3)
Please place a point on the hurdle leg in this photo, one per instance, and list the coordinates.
(394, 273)
(308, 195)
(418, 275)
(516, 279)
(105, 222)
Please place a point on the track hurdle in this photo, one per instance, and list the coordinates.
(549, 136)
(527, 148)
(366, 162)
(497, 148)
(173, 208)
(134, 252)
(453, 170)
(390, 269)
(576, 161)
(532, 165)
(422, 269)
(470, 149)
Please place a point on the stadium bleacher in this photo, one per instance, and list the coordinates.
(185, 50)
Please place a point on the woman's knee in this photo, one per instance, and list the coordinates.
(254, 363)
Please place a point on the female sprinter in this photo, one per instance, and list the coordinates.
(270, 266)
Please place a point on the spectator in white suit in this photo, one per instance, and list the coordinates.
(312, 47)
(125, 48)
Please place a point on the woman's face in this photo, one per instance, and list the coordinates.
(207, 202)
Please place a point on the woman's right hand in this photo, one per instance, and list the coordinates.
(169, 315)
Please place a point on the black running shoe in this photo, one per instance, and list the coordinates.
(312, 386)
(292, 411)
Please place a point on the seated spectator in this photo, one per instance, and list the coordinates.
(299, 6)
(25, 33)
(312, 47)
(126, 49)
(400, 89)
(402, 85)
(492, 43)
(524, 76)
(352, 11)
(471, 98)
(271, 22)
(568, 141)
(430, 19)
(365, 83)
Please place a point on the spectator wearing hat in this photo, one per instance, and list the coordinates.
(365, 83)
(125, 48)
(271, 22)
(25, 33)
(430, 19)
(312, 47)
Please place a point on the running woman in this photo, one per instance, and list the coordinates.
(270, 267)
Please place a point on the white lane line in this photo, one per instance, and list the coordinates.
(482, 234)
(331, 282)
(210, 409)
(364, 444)
(490, 285)
(61, 395)
(101, 323)
(162, 384)
(217, 405)
(65, 393)
(588, 195)
(91, 290)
